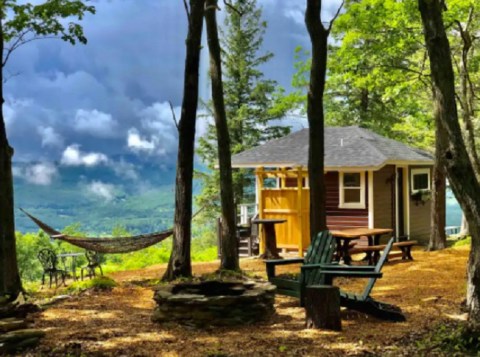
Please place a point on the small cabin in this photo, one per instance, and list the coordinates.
(371, 181)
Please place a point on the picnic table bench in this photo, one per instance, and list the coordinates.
(374, 250)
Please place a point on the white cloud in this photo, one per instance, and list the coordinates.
(161, 133)
(13, 107)
(95, 122)
(37, 174)
(124, 169)
(102, 190)
(295, 10)
(50, 137)
(8, 114)
(73, 156)
(136, 143)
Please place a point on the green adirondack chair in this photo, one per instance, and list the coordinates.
(363, 303)
(319, 252)
(318, 269)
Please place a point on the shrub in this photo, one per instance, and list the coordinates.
(98, 283)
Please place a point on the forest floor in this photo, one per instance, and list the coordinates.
(429, 290)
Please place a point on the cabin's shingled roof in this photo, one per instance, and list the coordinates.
(344, 147)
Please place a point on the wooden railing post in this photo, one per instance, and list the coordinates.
(259, 172)
(299, 209)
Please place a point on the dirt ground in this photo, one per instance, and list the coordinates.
(429, 290)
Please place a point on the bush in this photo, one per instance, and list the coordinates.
(101, 283)
(452, 338)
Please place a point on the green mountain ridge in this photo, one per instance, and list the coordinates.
(141, 204)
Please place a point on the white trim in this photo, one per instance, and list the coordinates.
(371, 221)
(355, 205)
(406, 195)
(420, 171)
(257, 190)
(397, 203)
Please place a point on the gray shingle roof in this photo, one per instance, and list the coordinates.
(344, 147)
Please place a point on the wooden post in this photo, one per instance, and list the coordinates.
(322, 307)
(261, 238)
(219, 237)
(299, 209)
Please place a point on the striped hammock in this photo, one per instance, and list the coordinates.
(105, 245)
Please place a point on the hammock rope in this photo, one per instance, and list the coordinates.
(104, 245)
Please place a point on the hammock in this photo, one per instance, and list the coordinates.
(105, 245)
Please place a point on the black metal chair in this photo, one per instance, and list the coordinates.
(49, 261)
(94, 260)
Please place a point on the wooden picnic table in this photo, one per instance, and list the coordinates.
(345, 236)
(271, 251)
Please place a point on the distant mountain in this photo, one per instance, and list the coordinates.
(138, 196)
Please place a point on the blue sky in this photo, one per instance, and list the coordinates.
(93, 104)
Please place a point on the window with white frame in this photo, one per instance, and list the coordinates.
(352, 190)
(420, 180)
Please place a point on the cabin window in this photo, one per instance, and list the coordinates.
(420, 180)
(352, 190)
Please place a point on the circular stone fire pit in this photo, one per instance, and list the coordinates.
(214, 303)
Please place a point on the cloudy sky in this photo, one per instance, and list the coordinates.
(93, 104)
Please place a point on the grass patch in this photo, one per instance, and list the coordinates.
(98, 283)
(462, 242)
(451, 338)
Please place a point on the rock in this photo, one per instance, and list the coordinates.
(54, 300)
(11, 324)
(20, 345)
(20, 335)
(214, 303)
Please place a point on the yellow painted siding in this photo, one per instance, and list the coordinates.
(282, 204)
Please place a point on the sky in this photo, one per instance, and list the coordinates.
(106, 103)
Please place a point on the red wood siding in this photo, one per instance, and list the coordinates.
(338, 218)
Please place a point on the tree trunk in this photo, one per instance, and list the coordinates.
(438, 238)
(9, 277)
(229, 240)
(459, 168)
(179, 263)
(467, 93)
(464, 231)
(318, 37)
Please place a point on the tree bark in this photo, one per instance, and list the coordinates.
(467, 93)
(438, 238)
(179, 264)
(459, 168)
(229, 242)
(10, 283)
(464, 231)
(318, 37)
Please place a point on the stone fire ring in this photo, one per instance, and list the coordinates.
(214, 303)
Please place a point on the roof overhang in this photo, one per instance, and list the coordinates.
(337, 168)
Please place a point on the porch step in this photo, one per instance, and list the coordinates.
(243, 248)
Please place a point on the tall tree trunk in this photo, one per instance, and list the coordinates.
(438, 238)
(459, 168)
(180, 264)
(467, 92)
(229, 240)
(9, 277)
(318, 38)
(464, 231)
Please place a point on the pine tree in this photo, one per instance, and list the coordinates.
(250, 100)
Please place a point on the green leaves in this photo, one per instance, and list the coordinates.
(51, 19)
(251, 101)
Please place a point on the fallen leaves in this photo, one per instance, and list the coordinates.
(428, 290)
